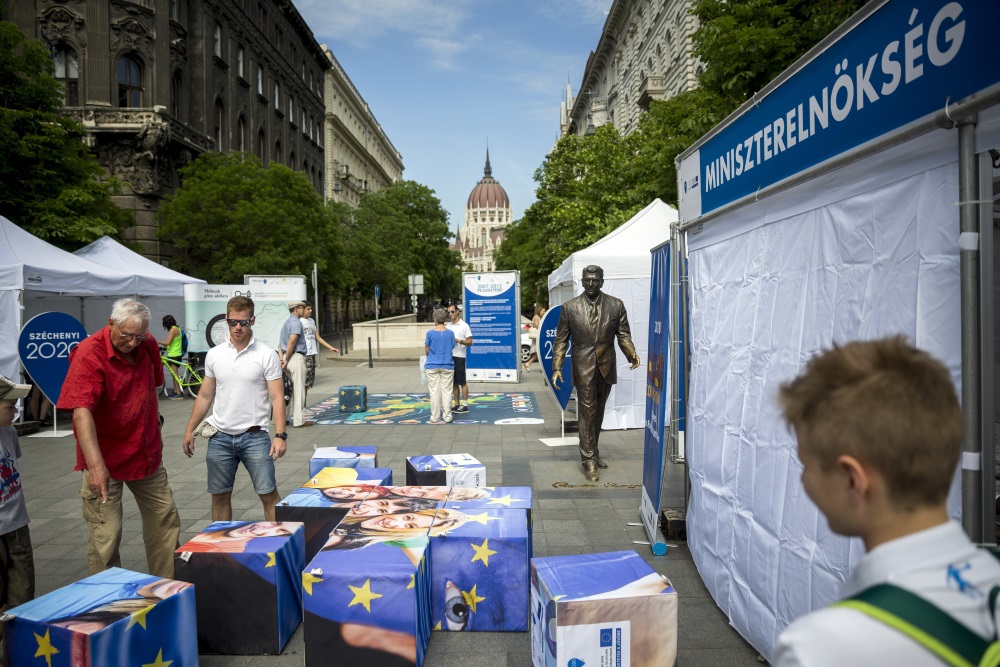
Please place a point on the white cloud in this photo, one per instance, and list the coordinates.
(584, 12)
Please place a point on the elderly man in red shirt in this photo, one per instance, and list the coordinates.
(111, 389)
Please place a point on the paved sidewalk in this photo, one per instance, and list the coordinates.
(571, 516)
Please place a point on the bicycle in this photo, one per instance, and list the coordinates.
(189, 377)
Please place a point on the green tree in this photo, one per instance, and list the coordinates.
(232, 216)
(52, 184)
(397, 231)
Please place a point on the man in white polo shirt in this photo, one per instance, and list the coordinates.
(463, 339)
(243, 377)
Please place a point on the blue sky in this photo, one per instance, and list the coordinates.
(444, 76)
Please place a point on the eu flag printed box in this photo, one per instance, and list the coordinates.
(601, 609)
(324, 500)
(490, 497)
(111, 619)
(445, 470)
(353, 398)
(479, 572)
(367, 599)
(247, 576)
(361, 456)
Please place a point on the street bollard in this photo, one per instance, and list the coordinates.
(370, 364)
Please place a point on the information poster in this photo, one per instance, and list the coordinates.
(44, 346)
(492, 309)
(205, 312)
(546, 344)
(657, 398)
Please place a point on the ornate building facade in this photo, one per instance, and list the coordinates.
(487, 215)
(359, 156)
(644, 54)
(156, 82)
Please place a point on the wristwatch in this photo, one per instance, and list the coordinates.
(283, 436)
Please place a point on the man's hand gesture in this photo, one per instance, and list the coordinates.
(556, 379)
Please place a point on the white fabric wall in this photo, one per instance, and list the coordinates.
(865, 252)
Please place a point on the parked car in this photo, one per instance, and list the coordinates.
(525, 339)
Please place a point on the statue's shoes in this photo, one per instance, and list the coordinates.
(601, 464)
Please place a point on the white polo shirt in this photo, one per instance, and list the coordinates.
(462, 332)
(241, 399)
(939, 564)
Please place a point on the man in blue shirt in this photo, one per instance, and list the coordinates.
(292, 344)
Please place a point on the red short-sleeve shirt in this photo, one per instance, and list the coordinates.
(122, 398)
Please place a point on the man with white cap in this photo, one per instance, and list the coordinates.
(292, 345)
(17, 565)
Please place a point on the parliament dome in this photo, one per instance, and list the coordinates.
(488, 193)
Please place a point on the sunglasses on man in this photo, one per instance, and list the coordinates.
(242, 323)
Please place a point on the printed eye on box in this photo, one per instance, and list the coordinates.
(608, 609)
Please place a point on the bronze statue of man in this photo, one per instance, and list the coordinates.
(592, 320)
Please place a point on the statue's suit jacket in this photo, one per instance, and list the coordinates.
(593, 349)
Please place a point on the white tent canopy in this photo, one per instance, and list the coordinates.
(624, 256)
(152, 279)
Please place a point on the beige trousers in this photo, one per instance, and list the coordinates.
(161, 525)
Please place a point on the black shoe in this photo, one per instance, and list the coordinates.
(601, 464)
(591, 474)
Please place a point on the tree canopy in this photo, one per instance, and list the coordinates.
(232, 216)
(397, 231)
(52, 184)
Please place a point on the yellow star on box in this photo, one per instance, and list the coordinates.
(160, 662)
(45, 647)
(503, 500)
(139, 617)
(481, 518)
(413, 581)
(471, 598)
(438, 626)
(483, 552)
(308, 579)
(363, 595)
(270, 559)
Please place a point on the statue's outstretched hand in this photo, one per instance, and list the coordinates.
(635, 363)
(556, 379)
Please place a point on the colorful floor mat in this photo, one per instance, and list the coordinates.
(495, 408)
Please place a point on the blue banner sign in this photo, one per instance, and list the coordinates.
(492, 311)
(658, 395)
(546, 342)
(907, 60)
(44, 346)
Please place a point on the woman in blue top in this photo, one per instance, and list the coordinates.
(438, 344)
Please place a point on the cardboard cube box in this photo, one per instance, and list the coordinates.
(325, 499)
(601, 609)
(247, 575)
(367, 603)
(116, 617)
(353, 398)
(362, 456)
(445, 470)
(489, 497)
(479, 572)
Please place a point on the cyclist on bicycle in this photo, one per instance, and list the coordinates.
(173, 352)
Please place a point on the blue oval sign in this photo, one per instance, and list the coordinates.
(546, 343)
(44, 347)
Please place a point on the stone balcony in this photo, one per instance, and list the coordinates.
(652, 88)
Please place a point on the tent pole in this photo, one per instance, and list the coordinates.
(972, 446)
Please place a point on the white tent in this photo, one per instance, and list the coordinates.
(160, 288)
(29, 264)
(802, 231)
(624, 256)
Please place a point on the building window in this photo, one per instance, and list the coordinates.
(129, 82)
(303, 120)
(67, 73)
(277, 151)
(260, 80)
(241, 134)
(291, 109)
(174, 10)
(261, 142)
(177, 95)
(220, 125)
(291, 159)
(240, 54)
(277, 96)
(217, 40)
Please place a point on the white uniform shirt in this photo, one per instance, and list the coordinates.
(241, 398)
(939, 564)
(309, 333)
(462, 332)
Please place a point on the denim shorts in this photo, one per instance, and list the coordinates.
(226, 452)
